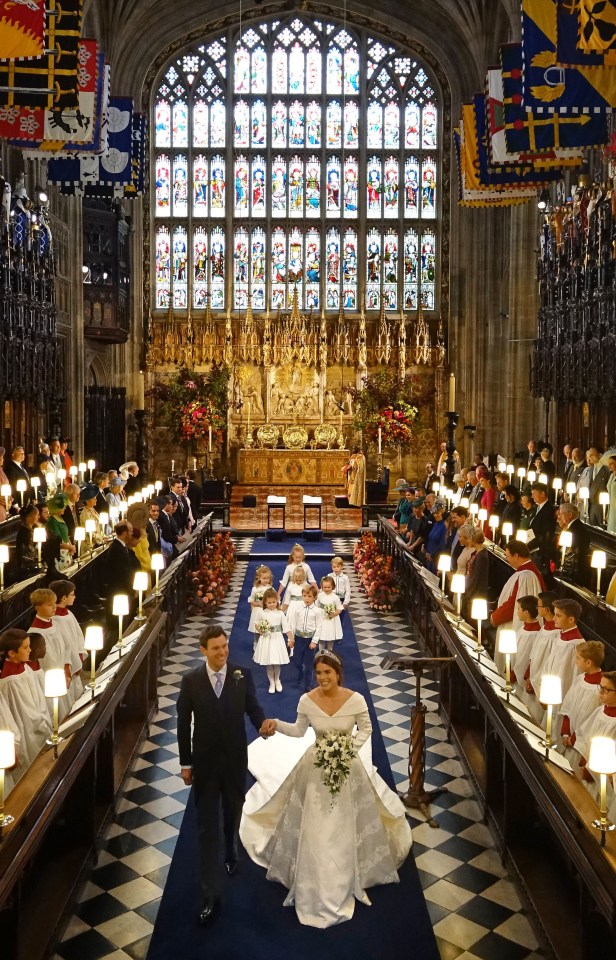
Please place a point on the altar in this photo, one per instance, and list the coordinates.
(265, 467)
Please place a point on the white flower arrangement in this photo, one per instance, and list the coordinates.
(334, 753)
(330, 609)
(263, 626)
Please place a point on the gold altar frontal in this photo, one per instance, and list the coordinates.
(292, 467)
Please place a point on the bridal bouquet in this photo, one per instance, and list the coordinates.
(263, 626)
(329, 609)
(334, 753)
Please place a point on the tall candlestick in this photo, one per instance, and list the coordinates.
(172, 467)
(452, 392)
(209, 438)
(195, 459)
(248, 416)
(380, 440)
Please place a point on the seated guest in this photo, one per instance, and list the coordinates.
(582, 698)
(436, 537)
(477, 569)
(152, 528)
(468, 548)
(576, 566)
(71, 514)
(194, 494)
(131, 469)
(101, 481)
(114, 497)
(25, 554)
(525, 581)
(512, 512)
(561, 661)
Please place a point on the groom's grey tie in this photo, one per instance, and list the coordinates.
(218, 684)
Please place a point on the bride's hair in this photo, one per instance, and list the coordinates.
(332, 660)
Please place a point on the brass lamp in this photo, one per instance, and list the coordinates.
(598, 562)
(602, 760)
(93, 641)
(550, 693)
(458, 586)
(508, 644)
(141, 583)
(444, 566)
(158, 564)
(120, 610)
(55, 687)
(479, 612)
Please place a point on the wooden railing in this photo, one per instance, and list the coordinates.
(60, 805)
(540, 814)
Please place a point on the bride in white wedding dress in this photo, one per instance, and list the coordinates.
(326, 853)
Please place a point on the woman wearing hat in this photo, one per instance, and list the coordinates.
(130, 469)
(114, 498)
(58, 548)
(89, 495)
(138, 516)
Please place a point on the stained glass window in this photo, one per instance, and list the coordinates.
(268, 178)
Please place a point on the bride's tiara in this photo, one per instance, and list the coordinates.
(331, 655)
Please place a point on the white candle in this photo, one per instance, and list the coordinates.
(140, 391)
(452, 391)
(380, 439)
(210, 438)
(172, 467)
(195, 459)
(248, 415)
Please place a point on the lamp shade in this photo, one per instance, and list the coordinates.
(61, 474)
(571, 488)
(507, 529)
(7, 749)
(598, 559)
(543, 478)
(39, 535)
(464, 502)
(130, 499)
(494, 521)
(21, 486)
(522, 536)
(141, 581)
(4, 553)
(157, 561)
(436, 486)
(584, 493)
(482, 516)
(458, 583)
(532, 476)
(120, 605)
(510, 468)
(114, 513)
(35, 482)
(79, 534)
(90, 525)
(604, 498)
(82, 467)
(602, 757)
(557, 483)
(103, 518)
(91, 464)
(93, 639)
(444, 563)
(474, 509)
(73, 471)
(550, 689)
(507, 641)
(138, 497)
(521, 472)
(158, 485)
(565, 540)
(55, 682)
(5, 490)
(479, 609)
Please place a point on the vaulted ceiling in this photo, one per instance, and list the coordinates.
(463, 34)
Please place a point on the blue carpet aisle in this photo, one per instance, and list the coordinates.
(474, 906)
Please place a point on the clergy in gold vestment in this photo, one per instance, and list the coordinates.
(356, 478)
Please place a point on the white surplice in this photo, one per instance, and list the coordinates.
(326, 855)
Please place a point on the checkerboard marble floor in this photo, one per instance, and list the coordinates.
(475, 907)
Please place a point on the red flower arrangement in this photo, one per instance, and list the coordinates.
(376, 575)
(195, 421)
(210, 581)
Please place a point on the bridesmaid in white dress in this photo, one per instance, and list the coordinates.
(291, 826)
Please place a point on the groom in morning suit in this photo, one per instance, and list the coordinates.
(216, 696)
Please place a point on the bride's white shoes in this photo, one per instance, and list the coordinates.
(278, 686)
(272, 687)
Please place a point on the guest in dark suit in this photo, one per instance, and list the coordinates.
(153, 528)
(194, 494)
(216, 697)
(543, 525)
(513, 508)
(477, 570)
(102, 482)
(596, 478)
(119, 567)
(531, 446)
(71, 514)
(578, 466)
(15, 470)
(182, 513)
(576, 566)
(168, 527)
(453, 547)
(566, 463)
(547, 465)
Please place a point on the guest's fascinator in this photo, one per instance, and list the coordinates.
(57, 503)
(89, 492)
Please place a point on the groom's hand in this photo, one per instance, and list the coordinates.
(187, 775)
(268, 728)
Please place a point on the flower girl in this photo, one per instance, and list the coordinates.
(263, 581)
(297, 558)
(330, 603)
(271, 651)
(293, 593)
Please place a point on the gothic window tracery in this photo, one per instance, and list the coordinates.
(297, 154)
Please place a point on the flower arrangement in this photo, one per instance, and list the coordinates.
(334, 754)
(329, 609)
(210, 580)
(192, 402)
(384, 403)
(262, 627)
(376, 575)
